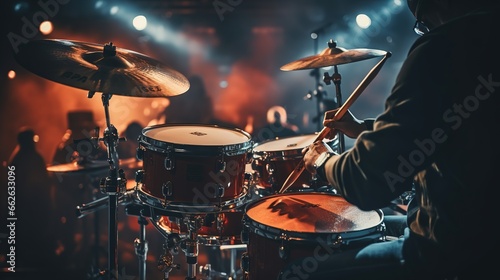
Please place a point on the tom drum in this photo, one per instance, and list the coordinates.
(274, 160)
(193, 168)
(281, 228)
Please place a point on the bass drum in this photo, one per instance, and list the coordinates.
(279, 229)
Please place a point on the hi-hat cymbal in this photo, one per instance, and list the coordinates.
(100, 68)
(79, 167)
(331, 56)
(92, 165)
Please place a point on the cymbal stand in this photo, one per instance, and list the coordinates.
(113, 186)
(97, 246)
(336, 78)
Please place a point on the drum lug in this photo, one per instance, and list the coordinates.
(220, 222)
(220, 191)
(337, 241)
(245, 262)
(166, 189)
(283, 250)
(220, 166)
(140, 153)
(139, 176)
(244, 234)
(169, 162)
(382, 229)
(270, 170)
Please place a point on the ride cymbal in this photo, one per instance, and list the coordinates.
(331, 56)
(100, 68)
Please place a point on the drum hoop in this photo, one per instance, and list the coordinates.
(279, 155)
(166, 147)
(184, 208)
(274, 233)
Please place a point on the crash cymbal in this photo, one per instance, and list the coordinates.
(331, 56)
(79, 167)
(100, 68)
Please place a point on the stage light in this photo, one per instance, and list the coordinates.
(154, 104)
(140, 22)
(157, 29)
(21, 6)
(314, 36)
(11, 74)
(114, 10)
(363, 21)
(223, 84)
(98, 4)
(46, 27)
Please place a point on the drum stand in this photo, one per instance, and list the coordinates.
(166, 261)
(140, 243)
(233, 256)
(113, 185)
(84, 210)
(191, 245)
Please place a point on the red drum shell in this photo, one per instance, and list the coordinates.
(274, 160)
(182, 163)
(303, 224)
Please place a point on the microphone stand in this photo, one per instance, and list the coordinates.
(319, 93)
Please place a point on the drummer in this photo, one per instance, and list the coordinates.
(435, 134)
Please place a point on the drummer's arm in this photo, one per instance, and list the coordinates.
(369, 123)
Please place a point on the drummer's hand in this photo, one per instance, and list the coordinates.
(311, 153)
(348, 124)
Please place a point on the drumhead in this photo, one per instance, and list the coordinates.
(309, 213)
(288, 146)
(184, 137)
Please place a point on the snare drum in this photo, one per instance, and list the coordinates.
(193, 168)
(281, 228)
(274, 160)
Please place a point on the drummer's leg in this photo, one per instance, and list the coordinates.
(381, 260)
(395, 225)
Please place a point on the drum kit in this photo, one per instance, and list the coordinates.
(207, 184)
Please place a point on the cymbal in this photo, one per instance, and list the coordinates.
(92, 165)
(131, 163)
(331, 56)
(100, 68)
(79, 167)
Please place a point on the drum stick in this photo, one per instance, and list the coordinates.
(338, 115)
